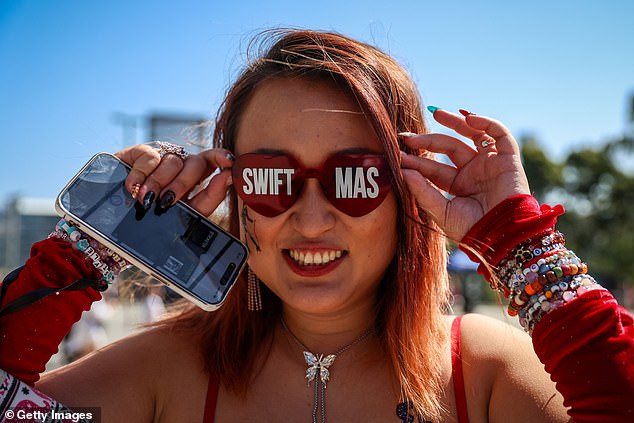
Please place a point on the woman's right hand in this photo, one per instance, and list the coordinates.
(169, 178)
(480, 178)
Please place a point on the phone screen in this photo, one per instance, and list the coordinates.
(179, 244)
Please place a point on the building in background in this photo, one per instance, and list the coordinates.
(189, 130)
(23, 221)
(186, 130)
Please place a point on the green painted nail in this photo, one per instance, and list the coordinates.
(432, 109)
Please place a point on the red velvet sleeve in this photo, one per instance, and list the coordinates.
(30, 336)
(587, 346)
(505, 226)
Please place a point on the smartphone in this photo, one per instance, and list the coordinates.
(178, 246)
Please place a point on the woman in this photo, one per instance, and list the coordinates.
(356, 271)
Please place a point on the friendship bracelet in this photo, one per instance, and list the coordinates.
(547, 269)
(104, 260)
(531, 254)
(540, 275)
(568, 291)
(529, 250)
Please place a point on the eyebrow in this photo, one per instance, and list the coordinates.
(352, 112)
(351, 150)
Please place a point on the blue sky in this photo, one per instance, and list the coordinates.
(561, 70)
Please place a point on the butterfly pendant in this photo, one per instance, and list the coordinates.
(318, 364)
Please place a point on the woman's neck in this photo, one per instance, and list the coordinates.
(325, 334)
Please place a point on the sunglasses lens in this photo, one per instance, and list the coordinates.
(356, 184)
(265, 183)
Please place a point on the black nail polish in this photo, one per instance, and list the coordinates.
(231, 157)
(167, 199)
(148, 200)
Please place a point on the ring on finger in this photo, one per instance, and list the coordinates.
(486, 143)
(170, 148)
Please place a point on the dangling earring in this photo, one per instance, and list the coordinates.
(253, 291)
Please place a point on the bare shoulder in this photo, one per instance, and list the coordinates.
(501, 368)
(487, 338)
(130, 379)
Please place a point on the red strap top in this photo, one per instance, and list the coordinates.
(212, 398)
(456, 368)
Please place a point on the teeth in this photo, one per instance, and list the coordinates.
(314, 258)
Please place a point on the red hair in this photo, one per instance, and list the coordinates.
(414, 292)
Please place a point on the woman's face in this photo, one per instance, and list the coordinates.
(311, 120)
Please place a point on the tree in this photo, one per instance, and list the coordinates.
(543, 174)
(596, 186)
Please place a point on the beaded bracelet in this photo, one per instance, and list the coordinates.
(106, 261)
(541, 275)
(554, 297)
(531, 249)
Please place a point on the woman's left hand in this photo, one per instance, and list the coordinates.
(480, 178)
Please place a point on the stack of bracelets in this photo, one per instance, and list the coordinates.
(541, 275)
(106, 261)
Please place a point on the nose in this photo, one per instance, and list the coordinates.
(312, 214)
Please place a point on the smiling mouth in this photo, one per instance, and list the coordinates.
(314, 258)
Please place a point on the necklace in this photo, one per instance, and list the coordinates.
(318, 368)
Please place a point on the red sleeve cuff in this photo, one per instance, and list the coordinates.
(30, 336)
(505, 226)
(587, 346)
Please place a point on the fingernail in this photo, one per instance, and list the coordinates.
(135, 190)
(406, 134)
(167, 199)
(148, 200)
(464, 112)
(231, 157)
(432, 109)
(229, 181)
